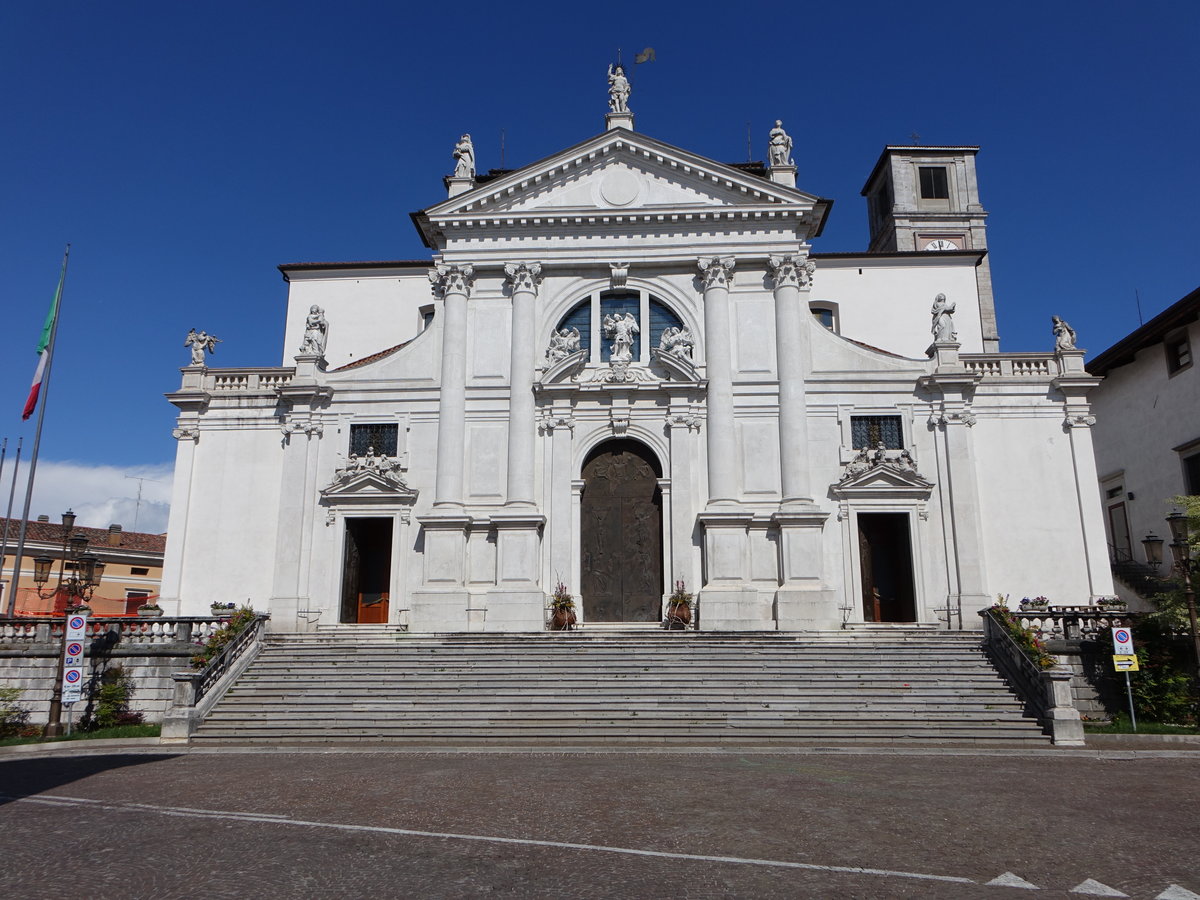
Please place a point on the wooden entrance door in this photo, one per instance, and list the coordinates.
(886, 565)
(621, 539)
(367, 571)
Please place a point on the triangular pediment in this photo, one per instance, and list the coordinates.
(366, 486)
(886, 477)
(623, 172)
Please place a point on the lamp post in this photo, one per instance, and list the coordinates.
(85, 574)
(1181, 551)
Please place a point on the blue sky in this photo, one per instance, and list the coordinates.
(187, 149)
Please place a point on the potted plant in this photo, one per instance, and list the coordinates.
(150, 609)
(562, 609)
(1037, 604)
(223, 610)
(679, 607)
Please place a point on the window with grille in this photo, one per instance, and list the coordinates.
(382, 437)
(868, 431)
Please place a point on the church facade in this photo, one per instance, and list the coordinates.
(626, 366)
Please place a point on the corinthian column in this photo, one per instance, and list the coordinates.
(793, 277)
(524, 278)
(453, 285)
(717, 274)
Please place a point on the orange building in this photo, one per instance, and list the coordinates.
(131, 576)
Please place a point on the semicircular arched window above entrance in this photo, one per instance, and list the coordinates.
(652, 316)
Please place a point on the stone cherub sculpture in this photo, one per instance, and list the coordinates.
(200, 342)
(677, 340)
(316, 332)
(943, 320)
(779, 149)
(618, 89)
(464, 158)
(1064, 334)
(563, 343)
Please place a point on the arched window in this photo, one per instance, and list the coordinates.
(652, 315)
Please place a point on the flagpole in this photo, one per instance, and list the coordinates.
(12, 491)
(44, 399)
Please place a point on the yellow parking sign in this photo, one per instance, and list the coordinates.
(1123, 663)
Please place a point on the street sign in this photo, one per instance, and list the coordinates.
(73, 638)
(1122, 641)
(1125, 663)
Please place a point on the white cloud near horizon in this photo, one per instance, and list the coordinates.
(100, 495)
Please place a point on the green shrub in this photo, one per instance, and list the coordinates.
(216, 642)
(13, 718)
(111, 702)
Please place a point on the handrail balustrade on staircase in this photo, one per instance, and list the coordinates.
(1046, 693)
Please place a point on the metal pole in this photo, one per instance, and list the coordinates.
(1129, 693)
(1190, 595)
(43, 401)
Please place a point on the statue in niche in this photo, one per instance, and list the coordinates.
(316, 332)
(678, 341)
(779, 146)
(200, 343)
(1064, 334)
(563, 343)
(943, 320)
(464, 158)
(618, 89)
(621, 329)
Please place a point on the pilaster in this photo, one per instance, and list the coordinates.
(717, 276)
(453, 285)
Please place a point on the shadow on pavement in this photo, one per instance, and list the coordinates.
(27, 777)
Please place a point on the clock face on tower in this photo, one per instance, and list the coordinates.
(941, 244)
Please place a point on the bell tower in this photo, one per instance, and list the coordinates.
(927, 199)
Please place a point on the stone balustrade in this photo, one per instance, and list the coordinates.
(1011, 365)
(246, 381)
(1071, 623)
(131, 630)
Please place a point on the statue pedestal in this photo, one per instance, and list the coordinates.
(619, 120)
(785, 175)
(459, 184)
(945, 354)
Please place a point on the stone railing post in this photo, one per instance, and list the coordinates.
(179, 719)
(1066, 727)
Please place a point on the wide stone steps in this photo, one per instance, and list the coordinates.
(619, 688)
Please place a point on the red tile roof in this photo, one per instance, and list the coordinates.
(52, 533)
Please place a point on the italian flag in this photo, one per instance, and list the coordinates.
(43, 347)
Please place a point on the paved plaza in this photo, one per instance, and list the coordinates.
(148, 822)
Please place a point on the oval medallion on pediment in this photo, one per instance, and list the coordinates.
(620, 187)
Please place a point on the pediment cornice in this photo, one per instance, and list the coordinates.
(685, 189)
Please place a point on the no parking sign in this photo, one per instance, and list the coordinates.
(73, 635)
(1122, 641)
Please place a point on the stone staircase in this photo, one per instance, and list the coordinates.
(356, 685)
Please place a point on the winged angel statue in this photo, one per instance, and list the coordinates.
(199, 344)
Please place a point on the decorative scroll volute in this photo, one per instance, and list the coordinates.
(717, 271)
(791, 271)
(451, 279)
(523, 276)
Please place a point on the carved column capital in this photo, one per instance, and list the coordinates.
(792, 271)
(184, 433)
(451, 279)
(716, 271)
(523, 276)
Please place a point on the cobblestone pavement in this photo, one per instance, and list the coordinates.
(426, 825)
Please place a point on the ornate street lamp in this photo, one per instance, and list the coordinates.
(1152, 544)
(79, 583)
(1181, 553)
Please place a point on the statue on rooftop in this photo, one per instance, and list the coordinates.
(200, 343)
(464, 158)
(1064, 334)
(779, 149)
(618, 89)
(316, 332)
(943, 320)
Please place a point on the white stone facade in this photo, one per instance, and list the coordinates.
(762, 503)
